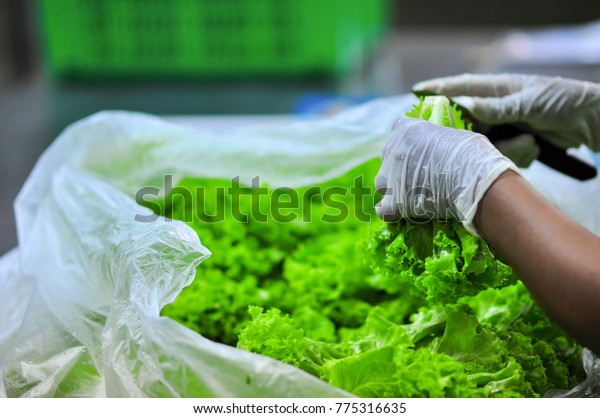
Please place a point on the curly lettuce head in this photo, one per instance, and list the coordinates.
(439, 261)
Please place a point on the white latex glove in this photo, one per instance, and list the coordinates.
(564, 112)
(433, 172)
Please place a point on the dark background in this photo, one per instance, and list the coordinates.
(426, 39)
(496, 13)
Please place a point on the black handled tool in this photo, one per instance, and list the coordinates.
(551, 155)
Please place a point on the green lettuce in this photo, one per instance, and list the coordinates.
(399, 310)
(447, 351)
(440, 261)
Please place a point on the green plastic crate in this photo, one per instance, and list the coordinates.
(208, 38)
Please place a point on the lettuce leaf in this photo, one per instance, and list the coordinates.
(438, 261)
(455, 356)
(399, 310)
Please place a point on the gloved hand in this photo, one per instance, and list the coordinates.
(433, 172)
(564, 112)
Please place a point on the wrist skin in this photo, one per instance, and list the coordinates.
(557, 259)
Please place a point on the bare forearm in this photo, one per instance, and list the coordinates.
(557, 259)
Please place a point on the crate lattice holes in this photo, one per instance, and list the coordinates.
(171, 38)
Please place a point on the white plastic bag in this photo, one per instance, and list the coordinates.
(81, 295)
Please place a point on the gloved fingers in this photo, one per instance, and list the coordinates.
(521, 150)
(493, 110)
(480, 85)
(395, 136)
(407, 130)
(388, 183)
(389, 180)
(404, 131)
(381, 181)
(387, 210)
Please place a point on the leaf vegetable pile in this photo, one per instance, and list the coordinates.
(399, 310)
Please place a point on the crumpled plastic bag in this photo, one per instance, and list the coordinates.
(81, 295)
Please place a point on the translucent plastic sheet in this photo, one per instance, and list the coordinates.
(80, 297)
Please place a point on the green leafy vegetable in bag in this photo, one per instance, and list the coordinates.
(400, 310)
